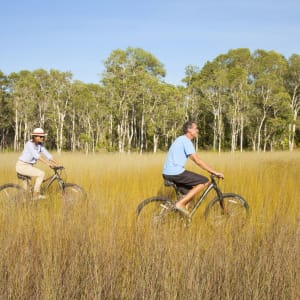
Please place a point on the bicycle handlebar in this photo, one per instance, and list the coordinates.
(56, 168)
(214, 175)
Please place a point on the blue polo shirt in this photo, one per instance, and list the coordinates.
(177, 156)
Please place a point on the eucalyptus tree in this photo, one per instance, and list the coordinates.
(116, 83)
(80, 126)
(159, 105)
(43, 95)
(165, 113)
(275, 127)
(172, 113)
(61, 95)
(191, 103)
(24, 95)
(239, 63)
(14, 107)
(212, 82)
(87, 114)
(292, 84)
(269, 95)
(99, 115)
(196, 106)
(6, 111)
(126, 81)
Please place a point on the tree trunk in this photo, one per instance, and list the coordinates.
(142, 134)
(73, 134)
(155, 142)
(258, 147)
(16, 137)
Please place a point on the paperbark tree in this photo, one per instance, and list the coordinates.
(292, 84)
(126, 77)
(61, 94)
(269, 94)
(238, 63)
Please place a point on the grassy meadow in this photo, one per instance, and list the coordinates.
(95, 251)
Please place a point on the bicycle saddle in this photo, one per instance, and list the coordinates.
(169, 183)
(23, 177)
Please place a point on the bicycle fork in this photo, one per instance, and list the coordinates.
(221, 200)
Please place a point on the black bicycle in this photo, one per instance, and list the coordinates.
(223, 208)
(71, 193)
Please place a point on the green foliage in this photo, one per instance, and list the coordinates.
(241, 100)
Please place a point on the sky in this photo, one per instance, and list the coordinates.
(78, 36)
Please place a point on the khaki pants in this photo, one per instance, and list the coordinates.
(29, 170)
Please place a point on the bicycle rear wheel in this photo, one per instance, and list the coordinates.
(154, 211)
(73, 193)
(11, 193)
(234, 209)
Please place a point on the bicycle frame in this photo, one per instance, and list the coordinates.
(212, 186)
(70, 193)
(222, 205)
(48, 181)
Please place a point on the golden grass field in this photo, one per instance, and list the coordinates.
(96, 251)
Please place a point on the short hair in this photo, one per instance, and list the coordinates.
(187, 125)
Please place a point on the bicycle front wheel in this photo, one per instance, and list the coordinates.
(154, 211)
(233, 209)
(11, 193)
(73, 193)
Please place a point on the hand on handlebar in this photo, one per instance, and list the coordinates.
(218, 174)
(53, 166)
(56, 168)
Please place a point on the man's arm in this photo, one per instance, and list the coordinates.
(196, 159)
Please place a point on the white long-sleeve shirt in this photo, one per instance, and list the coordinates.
(32, 152)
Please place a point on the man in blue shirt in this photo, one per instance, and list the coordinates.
(35, 150)
(174, 167)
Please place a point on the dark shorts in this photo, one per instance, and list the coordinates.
(186, 180)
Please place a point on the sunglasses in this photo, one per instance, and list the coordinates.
(40, 136)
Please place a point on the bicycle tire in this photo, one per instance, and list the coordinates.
(235, 211)
(73, 193)
(154, 211)
(11, 193)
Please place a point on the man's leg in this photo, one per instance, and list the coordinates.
(182, 203)
(194, 182)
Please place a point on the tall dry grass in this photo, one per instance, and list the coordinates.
(96, 252)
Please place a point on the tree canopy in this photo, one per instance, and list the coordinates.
(240, 100)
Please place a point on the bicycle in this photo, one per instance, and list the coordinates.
(222, 208)
(14, 193)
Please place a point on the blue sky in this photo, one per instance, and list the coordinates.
(78, 36)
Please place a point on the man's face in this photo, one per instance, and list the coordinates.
(194, 130)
